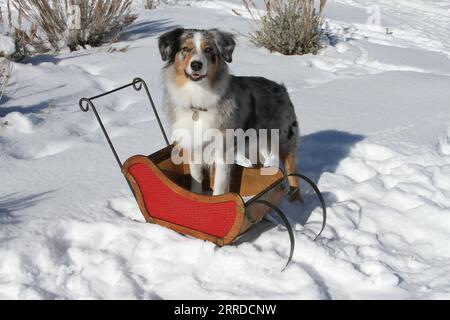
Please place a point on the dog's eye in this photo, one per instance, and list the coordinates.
(186, 49)
(208, 50)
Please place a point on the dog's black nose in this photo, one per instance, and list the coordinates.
(196, 65)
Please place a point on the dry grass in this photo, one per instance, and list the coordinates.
(288, 26)
(99, 20)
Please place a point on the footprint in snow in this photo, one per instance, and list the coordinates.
(54, 148)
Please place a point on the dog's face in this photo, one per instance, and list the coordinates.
(196, 54)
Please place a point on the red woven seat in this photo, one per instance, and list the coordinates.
(161, 189)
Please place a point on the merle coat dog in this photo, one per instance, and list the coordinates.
(199, 90)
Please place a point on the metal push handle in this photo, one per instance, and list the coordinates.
(137, 84)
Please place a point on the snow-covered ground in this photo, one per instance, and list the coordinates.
(374, 110)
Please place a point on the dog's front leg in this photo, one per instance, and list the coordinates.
(222, 177)
(197, 177)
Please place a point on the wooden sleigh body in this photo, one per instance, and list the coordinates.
(161, 189)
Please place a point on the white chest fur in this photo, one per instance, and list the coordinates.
(194, 126)
(190, 127)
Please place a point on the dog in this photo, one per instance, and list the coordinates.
(200, 89)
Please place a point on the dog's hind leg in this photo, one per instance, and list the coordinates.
(289, 160)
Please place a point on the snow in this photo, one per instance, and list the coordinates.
(374, 115)
(7, 46)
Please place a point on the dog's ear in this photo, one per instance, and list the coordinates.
(225, 43)
(169, 44)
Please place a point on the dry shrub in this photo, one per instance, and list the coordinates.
(11, 30)
(288, 26)
(150, 4)
(53, 22)
(5, 63)
(26, 43)
(5, 75)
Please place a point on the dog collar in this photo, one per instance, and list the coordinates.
(195, 112)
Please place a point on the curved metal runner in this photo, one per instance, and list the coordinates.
(321, 199)
(286, 222)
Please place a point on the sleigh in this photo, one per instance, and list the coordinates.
(162, 190)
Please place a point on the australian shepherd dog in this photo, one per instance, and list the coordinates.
(199, 90)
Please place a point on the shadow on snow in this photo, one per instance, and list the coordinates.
(320, 152)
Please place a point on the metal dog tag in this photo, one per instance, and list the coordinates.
(195, 115)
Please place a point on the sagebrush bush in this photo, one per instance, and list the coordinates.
(53, 27)
(288, 26)
(5, 75)
(150, 4)
(7, 49)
